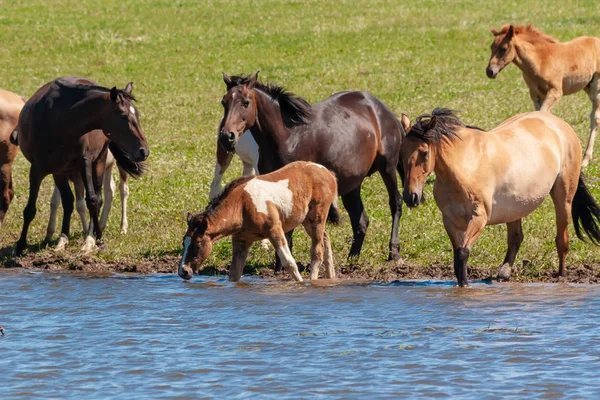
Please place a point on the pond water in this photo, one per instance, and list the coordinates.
(127, 336)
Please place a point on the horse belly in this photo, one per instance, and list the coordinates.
(511, 204)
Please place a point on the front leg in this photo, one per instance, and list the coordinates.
(240, 249)
(552, 98)
(223, 161)
(92, 180)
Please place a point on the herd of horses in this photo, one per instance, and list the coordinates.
(298, 157)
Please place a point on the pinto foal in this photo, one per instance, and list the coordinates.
(551, 69)
(266, 206)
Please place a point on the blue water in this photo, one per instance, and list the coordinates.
(79, 336)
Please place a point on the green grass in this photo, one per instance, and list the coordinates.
(413, 55)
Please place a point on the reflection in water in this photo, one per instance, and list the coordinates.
(78, 335)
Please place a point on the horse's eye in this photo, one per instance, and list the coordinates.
(426, 153)
(124, 116)
(246, 104)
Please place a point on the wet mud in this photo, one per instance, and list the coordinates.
(386, 272)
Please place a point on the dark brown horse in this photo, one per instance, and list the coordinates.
(66, 128)
(10, 107)
(351, 133)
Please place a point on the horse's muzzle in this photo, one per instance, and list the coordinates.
(411, 199)
(142, 154)
(491, 73)
(185, 272)
(228, 140)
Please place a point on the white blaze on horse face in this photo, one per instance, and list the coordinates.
(276, 192)
(186, 245)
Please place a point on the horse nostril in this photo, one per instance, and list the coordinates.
(231, 137)
(143, 154)
(414, 199)
(489, 72)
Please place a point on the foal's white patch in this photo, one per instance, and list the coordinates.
(317, 165)
(276, 192)
(131, 110)
(186, 245)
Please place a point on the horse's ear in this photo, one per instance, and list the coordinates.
(190, 217)
(494, 31)
(253, 80)
(114, 94)
(227, 80)
(510, 33)
(129, 88)
(405, 121)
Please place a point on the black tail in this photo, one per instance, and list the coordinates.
(133, 168)
(334, 217)
(586, 213)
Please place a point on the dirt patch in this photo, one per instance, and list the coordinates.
(386, 272)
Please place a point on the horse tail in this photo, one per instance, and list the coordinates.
(586, 213)
(333, 216)
(133, 168)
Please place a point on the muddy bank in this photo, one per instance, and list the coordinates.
(386, 272)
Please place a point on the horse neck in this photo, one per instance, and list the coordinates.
(89, 110)
(527, 57)
(446, 170)
(270, 133)
(225, 219)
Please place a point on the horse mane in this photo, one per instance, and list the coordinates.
(63, 83)
(295, 110)
(214, 203)
(431, 128)
(530, 34)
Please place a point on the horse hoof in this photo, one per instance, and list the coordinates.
(504, 273)
(89, 245)
(585, 163)
(264, 244)
(100, 245)
(63, 240)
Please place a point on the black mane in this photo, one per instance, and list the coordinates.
(64, 83)
(294, 110)
(431, 128)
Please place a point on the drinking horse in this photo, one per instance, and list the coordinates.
(551, 69)
(499, 177)
(10, 107)
(351, 133)
(266, 206)
(66, 128)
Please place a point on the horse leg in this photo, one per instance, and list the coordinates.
(35, 179)
(462, 238)
(515, 238)
(67, 199)
(247, 150)
(54, 203)
(240, 250)
(124, 192)
(552, 97)
(6, 189)
(537, 100)
(358, 219)
(109, 193)
(80, 202)
(92, 179)
(395, 202)
(278, 240)
(329, 266)
(223, 161)
(562, 194)
(288, 238)
(315, 226)
(593, 91)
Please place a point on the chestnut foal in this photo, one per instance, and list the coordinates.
(266, 206)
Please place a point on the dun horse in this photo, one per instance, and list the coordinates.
(109, 191)
(352, 133)
(10, 107)
(266, 206)
(499, 177)
(551, 69)
(66, 128)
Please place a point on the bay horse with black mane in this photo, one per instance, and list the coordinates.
(10, 107)
(499, 177)
(550, 68)
(266, 206)
(66, 128)
(351, 133)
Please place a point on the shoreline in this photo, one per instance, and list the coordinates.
(385, 272)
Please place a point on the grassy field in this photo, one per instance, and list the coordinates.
(413, 55)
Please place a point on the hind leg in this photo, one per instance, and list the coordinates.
(80, 202)
(328, 261)
(109, 193)
(314, 224)
(54, 203)
(593, 91)
(395, 203)
(289, 238)
(515, 238)
(358, 219)
(277, 238)
(35, 179)
(562, 197)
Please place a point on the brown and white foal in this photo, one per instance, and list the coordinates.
(266, 206)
